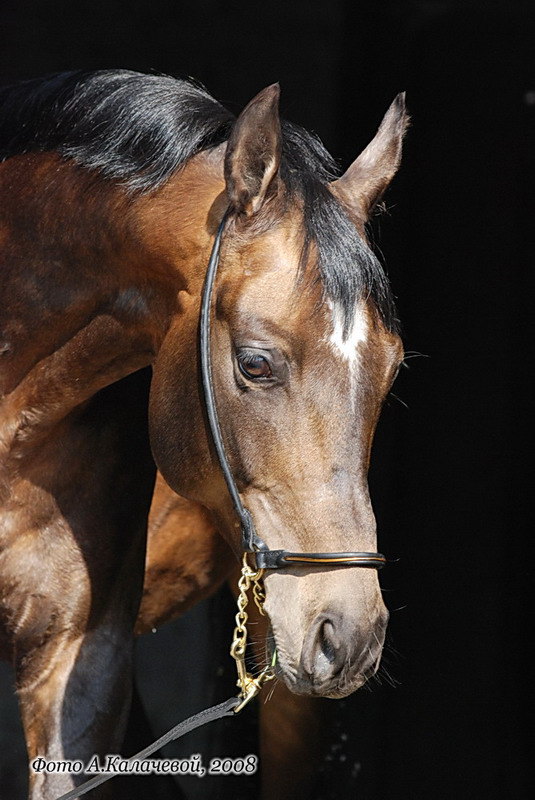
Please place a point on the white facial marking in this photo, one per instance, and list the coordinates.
(347, 347)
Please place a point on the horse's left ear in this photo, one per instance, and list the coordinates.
(366, 180)
(253, 152)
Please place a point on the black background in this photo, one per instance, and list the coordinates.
(451, 475)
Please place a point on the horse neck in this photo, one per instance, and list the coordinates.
(77, 246)
(174, 227)
(91, 282)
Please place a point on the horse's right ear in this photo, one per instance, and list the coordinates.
(253, 152)
(368, 177)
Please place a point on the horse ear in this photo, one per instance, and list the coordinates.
(368, 177)
(253, 152)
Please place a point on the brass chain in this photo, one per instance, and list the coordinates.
(248, 685)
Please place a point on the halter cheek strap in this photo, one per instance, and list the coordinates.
(251, 541)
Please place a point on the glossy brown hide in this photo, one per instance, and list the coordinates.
(84, 308)
(76, 473)
(187, 560)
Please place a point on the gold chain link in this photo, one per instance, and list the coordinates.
(248, 685)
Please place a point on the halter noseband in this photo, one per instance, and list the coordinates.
(251, 541)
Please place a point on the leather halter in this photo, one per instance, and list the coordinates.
(251, 541)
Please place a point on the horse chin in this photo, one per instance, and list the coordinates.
(331, 693)
(334, 690)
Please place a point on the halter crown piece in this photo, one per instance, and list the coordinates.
(251, 541)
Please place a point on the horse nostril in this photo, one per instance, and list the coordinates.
(338, 653)
(328, 640)
(324, 651)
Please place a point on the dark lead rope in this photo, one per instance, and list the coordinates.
(225, 709)
(251, 542)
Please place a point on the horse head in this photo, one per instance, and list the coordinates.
(305, 350)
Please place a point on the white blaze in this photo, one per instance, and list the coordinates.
(348, 346)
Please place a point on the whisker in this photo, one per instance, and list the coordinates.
(388, 677)
(413, 354)
(378, 642)
(396, 397)
(271, 691)
(390, 649)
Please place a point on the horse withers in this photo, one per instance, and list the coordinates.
(112, 189)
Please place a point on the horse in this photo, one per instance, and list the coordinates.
(113, 185)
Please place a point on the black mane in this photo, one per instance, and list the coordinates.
(138, 129)
(134, 128)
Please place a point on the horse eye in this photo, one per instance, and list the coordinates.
(254, 366)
